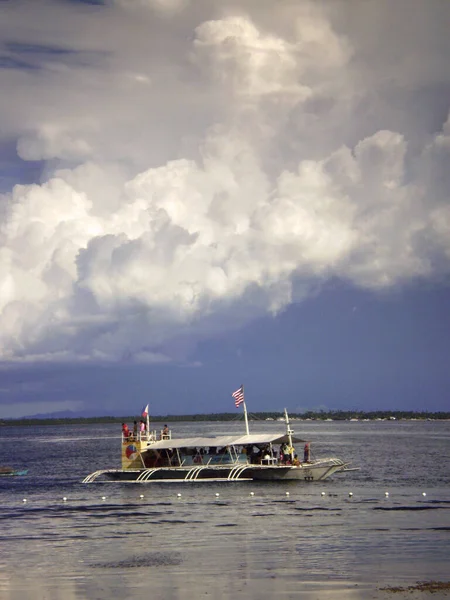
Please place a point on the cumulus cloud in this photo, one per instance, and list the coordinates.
(192, 187)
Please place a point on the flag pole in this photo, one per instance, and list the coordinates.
(289, 433)
(245, 413)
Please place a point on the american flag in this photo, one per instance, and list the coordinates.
(238, 396)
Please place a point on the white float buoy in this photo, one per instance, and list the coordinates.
(24, 500)
(64, 499)
(386, 494)
(141, 496)
(103, 497)
(252, 493)
(350, 494)
(217, 494)
(322, 494)
(424, 493)
(178, 495)
(287, 493)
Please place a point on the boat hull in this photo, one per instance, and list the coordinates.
(306, 473)
(309, 473)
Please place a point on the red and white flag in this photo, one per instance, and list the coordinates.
(238, 396)
(145, 411)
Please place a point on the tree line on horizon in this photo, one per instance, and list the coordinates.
(335, 415)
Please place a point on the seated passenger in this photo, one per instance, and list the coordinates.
(266, 458)
(165, 432)
(296, 461)
(258, 456)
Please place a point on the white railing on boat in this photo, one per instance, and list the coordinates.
(194, 472)
(331, 461)
(144, 436)
(237, 471)
(145, 475)
(93, 476)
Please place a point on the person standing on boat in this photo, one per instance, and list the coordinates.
(306, 453)
(125, 430)
(142, 427)
(165, 433)
(284, 453)
(289, 454)
(135, 429)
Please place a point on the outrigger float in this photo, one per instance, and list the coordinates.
(152, 456)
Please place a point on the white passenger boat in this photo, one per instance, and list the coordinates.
(157, 456)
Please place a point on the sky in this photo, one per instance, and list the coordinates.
(199, 194)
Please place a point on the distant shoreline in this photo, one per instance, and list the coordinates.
(260, 416)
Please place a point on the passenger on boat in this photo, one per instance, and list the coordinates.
(267, 451)
(306, 453)
(296, 461)
(254, 456)
(142, 426)
(125, 430)
(165, 433)
(290, 453)
(135, 429)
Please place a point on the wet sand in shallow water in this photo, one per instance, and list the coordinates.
(176, 584)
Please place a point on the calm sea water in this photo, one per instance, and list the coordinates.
(236, 545)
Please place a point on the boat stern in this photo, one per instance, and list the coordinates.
(132, 450)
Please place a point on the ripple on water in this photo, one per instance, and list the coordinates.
(412, 508)
(155, 559)
(312, 508)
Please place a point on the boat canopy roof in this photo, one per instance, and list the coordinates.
(254, 439)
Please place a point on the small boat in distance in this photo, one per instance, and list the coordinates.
(10, 472)
(150, 456)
